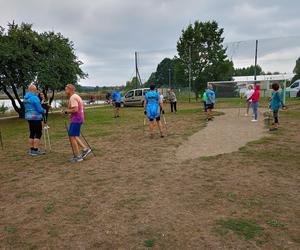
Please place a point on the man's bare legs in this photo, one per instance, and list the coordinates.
(75, 146)
(160, 126)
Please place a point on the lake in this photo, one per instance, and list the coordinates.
(55, 103)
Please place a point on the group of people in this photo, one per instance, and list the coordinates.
(252, 96)
(36, 113)
(37, 108)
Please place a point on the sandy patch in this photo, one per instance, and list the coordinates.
(226, 134)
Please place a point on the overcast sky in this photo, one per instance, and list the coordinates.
(107, 32)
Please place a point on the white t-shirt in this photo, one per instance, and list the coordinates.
(161, 97)
(249, 93)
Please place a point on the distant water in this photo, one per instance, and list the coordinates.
(55, 103)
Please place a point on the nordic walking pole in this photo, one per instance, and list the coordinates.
(240, 105)
(165, 122)
(144, 125)
(1, 141)
(44, 139)
(49, 141)
(87, 143)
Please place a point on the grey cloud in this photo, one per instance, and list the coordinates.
(107, 32)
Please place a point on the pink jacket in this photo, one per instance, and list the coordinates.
(256, 94)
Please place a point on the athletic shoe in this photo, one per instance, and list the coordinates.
(162, 136)
(254, 120)
(37, 153)
(46, 127)
(85, 152)
(76, 159)
(273, 129)
(246, 114)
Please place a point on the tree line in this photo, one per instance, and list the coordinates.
(48, 59)
(200, 47)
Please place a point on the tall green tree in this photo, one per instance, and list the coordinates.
(248, 71)
(203, 43)
(26, 56)
(296, 70)
(168, 68)
(58, 63)
(19, 59)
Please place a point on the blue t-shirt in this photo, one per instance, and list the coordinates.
(276, 101)
(116, 96)
(212, 98)
(153, 107)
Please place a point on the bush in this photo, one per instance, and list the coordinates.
(3, 108)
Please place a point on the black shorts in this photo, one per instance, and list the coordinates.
(117, 104)
(157, 119)
(210, 106)
(35, 128)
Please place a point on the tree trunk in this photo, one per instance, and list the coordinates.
(22, 107)
(13, 102)
(52, 97)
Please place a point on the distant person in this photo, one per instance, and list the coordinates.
(34, 114)
(204, 99)
(276, 103)
(161, 96)
(249, 92)
(76, 111)
(116, 99)
(152, 108)
(173, 100)
(255, 101)
(45, 104)
(210, 101)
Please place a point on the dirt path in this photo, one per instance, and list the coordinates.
(226, 134)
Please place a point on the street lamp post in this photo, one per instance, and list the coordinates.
(169, 78)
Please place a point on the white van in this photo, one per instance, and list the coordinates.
(293, 89)
(134, 97)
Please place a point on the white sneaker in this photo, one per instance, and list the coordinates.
(254, 120)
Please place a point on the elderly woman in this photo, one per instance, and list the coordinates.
(34, 115)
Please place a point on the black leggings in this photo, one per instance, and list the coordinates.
(35, 128)
(275, 115)
(173, 105)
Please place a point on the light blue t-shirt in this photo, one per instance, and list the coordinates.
(153, 107)
(276, 102)
(212, 98)
(116, 96)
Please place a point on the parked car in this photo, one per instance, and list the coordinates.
(134, 97)
(293, 89)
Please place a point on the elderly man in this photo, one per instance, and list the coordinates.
(34, 115)
(210, 101)
(76, 111)
(116, 99)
